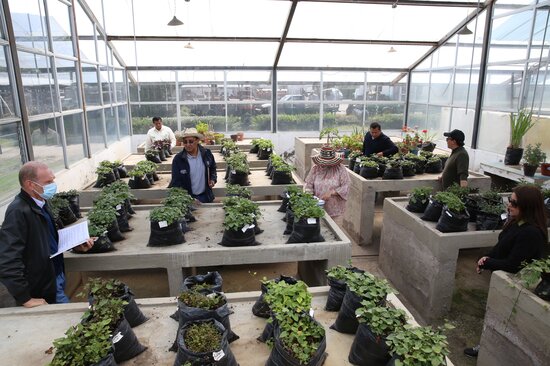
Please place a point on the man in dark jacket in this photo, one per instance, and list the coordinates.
(27, 239)
(376, 142)
(194, 168)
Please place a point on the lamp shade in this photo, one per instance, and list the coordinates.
(175, 21)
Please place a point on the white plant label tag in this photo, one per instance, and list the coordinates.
(233, 172)
(448, 214)
(253, 215)
(144, 177)
(287, 196)
(246, 227)
(117, 337)
(311, 312)
(358, 160)
(211, 296)
(311, 221)
(504, 216)
(269, 149)
(163, 224)
(132, 178)
(118, 207)
(218, 355)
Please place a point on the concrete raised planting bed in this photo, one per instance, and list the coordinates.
(245, 145)
(359, 214)
(303, 147)
(260, 185)
(166, 166)
(201, 248)
(420, 261)
(46, 323)
(516, 325)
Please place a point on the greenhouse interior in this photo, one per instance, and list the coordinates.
(283, 101)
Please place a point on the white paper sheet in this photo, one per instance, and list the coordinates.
(72, 236)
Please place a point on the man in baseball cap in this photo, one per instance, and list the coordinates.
(456, 167)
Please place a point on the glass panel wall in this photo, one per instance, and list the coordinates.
(38, 82)
(111, 125)
(7, 107)
(47, 143)
(10, 159)
(68, 87)
(61, 27)
(74, 135)
(96, 131)
(123, 123)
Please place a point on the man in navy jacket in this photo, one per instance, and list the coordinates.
(376, 142)
(194, 168)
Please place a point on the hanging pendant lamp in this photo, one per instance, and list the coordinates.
(175, 21)
(465, 31)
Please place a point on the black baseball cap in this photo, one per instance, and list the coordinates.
(456, 135)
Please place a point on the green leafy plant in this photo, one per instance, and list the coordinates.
(202, 337)
(367, 163)
(146, 166)
(237, 190)
(151, 153)
(68, 194)
(96, 230)
(330, 133)
(426, 154)
(339, 272)
(202, 127)
(56, 204)
(170, 214)
(369, 287)
(108, 200)
(196, 299)
(103, 217)
(420, 194)
(418, 346)
(382, 320)
(461, 192)
(136, 172)
(520, 123)
(102, 170)
(120, 189)
(238, 162)
(415, 158)
(494, 208)
(104, 288)
(451, 200)
(265, 144)
(83, 344)
(533, 155)
(530, 274)
(306, 206)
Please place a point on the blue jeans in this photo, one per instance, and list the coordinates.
(60, 297)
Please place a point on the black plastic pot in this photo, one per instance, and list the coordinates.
(419, 167)
(104, 179)
(337, 291)
(125, 342)
(529, 170)
(113, 232)
(393, 173)
(122, 171)
(238, 238)
(488, 221)
(260, 307)
(67, 215)
(162, 157)
(368, 172)
(264, 154)
(357, 168)
(513, 156)
(281, 178)
(368, 349)
(101, 245)
(139, 183)
(408, 171)
(432, 211)
(346, 322)
(165, 235)
(154, 158)
(452, 222)
(543, 288)
(238, 178)
(417, 206)
(434, 167)
(306, 231)
(381, 169)
(428, 146)
(254, 149)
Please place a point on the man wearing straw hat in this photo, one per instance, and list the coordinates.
(194, 168)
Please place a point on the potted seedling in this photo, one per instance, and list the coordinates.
(454, 216)
(105, 176)
(108, 200)
(532, 158)
(158, 146)
(238, 169)
(255, 146)
(393, 170)
(418, 199)
(122, 190)
(265, 149)
(153, 155)
(237, 190)
(434, 165)
(102, 244)
(138, 179)
(361, 287)
(74, 201)
(419, 162)
(520, 123)
(239, 222)
(282, 173)
(306, 227)
(532, 272)
(165, 227)
(337, 279)
(98, 348)
(368, 169)
(490, 216)
(408, 168)
(354, 158)
(375, 325)
(61, 209)
(203, 342)
(149, 168)
(415, 346)
(106, 217)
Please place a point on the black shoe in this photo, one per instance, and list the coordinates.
(472, 352)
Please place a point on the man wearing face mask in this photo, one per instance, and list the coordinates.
(27, 239)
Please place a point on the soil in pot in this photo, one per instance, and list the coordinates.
(163, 234)
(204, 343)
(513, 156)
(306, 230)
(212, 281)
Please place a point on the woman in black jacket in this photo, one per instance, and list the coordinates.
(523, 238)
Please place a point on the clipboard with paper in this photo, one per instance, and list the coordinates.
(71, 237)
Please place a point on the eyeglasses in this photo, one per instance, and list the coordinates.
(189, 142)
(512, 202)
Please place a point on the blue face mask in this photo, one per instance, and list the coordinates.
(49, 190)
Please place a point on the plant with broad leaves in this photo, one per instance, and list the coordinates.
(451, 200)
(530, 274)
(305, 206)
(237, 190)
(382, 320)
(369, 287)
(420, 194)
(102, 216)
(418, 346)
(170, 214)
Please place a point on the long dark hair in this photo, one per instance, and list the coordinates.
(531, 207)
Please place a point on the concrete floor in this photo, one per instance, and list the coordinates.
(468, 301)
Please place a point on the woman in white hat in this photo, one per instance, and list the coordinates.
(329, 180)
(194, 168)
